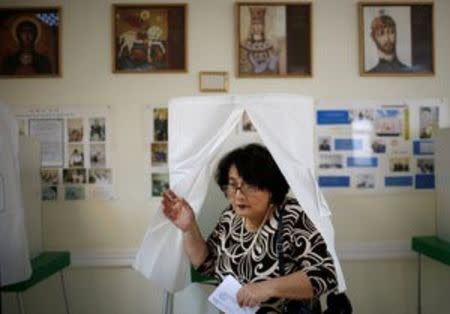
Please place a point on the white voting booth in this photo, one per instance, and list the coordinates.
(14, 252)
(198, 126)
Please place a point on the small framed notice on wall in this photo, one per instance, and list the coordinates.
(213, 81)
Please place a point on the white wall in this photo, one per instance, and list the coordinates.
(373, 231)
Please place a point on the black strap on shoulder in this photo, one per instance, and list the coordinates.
(279, 241)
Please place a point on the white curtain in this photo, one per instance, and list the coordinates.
(14, 254)
(198, 126)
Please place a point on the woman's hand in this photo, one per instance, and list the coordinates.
(253, 294)
(177, 210)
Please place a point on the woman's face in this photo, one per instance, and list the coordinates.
(253, 203)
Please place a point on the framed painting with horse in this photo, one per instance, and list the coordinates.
(149, 38)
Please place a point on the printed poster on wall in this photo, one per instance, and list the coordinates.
(75, 151)
(377, 146)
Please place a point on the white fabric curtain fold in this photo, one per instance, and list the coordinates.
(198, 126)
(14, 254)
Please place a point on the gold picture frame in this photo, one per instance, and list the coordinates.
(149, 38)
(213, 81)
(274, 39)
(396, 39)
(30, 42)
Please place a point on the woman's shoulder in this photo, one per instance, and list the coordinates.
(291, 203)
(295, 215)
(292, 209)
(227, 215)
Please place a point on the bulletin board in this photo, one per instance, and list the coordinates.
(76, 158)
(377, 146)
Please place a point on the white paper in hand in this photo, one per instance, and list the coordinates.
(224, 298)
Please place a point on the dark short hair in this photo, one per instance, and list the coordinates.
(257, 167)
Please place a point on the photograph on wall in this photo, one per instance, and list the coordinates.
(160, 183)
(247, 124)
(49, 193)
(378, 146)
(160, 124)
(75, 130)
(331, 161)
(388, 122)
(428, 121)
(74, 176)
(364, 181)
(74, 193)
(159, 153)
(149, 38)
(30, 40)
(49, 176)
(396, 39)
(362, 119)
(325, 143)
(97, 129)
(274, 39)
(76, 156)
(399, 164)
(425, 165)
(100, 176)
(100, 192)
(97, 154)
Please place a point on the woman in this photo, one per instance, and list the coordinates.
(244, 242)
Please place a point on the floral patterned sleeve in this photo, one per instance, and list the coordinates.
(307, 250)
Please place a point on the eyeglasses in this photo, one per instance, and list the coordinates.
(246, 189)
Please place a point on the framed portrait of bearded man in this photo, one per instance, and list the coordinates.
(396, 39)
(274, 39)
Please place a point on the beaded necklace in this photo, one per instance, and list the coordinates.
(255, 237)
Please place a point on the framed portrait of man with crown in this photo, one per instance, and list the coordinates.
(274, 39)
(396, 39)
(30, 42)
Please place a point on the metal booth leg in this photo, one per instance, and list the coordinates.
(66, 303)
(419, 284)
(167, 303)
(20, 302)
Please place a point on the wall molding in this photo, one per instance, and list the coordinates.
(348, 251)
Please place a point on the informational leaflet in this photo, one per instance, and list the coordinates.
(50, 133)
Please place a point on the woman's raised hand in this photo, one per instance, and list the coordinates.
(177, 210)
